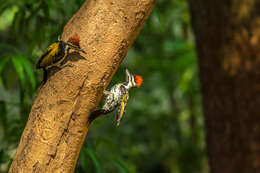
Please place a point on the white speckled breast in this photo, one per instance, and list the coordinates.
(115, 97)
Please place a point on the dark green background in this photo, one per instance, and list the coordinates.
(163, 128)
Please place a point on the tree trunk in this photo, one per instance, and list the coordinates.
(228, 43)
(59, 118)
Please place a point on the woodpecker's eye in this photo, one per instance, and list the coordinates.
(138, 80)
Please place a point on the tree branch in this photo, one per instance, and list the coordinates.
(59, 118)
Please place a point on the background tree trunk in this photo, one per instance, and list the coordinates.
(59, 118)
(227, 37)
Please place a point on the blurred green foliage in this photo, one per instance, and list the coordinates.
(163, 127)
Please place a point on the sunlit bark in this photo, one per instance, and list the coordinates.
(59, 118)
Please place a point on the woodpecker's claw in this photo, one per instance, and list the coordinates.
(65, 65)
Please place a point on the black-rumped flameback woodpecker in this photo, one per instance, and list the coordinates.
(118, 96)
(56, 53)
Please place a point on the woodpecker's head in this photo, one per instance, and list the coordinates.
(133, 80)
(72, 43)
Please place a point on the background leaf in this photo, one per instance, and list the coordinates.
(3, 62)
(29, 70)
(94, 159)
(18, 65)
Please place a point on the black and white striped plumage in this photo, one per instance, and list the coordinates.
(117, 97)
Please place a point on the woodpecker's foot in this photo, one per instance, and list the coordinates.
(105, 92)
(65, 65)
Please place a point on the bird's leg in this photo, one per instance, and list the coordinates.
(66, 65)
(106, 93)
(63, 65)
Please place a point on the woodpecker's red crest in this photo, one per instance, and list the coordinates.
(138, 80)
(74, 40)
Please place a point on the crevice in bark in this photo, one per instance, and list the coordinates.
(66, 129)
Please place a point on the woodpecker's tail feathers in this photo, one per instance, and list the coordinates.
(95, 114)
(45, 75)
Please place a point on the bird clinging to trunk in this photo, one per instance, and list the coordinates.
(56, 53)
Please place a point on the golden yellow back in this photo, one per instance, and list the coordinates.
(49, 56)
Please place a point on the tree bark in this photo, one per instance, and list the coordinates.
(59, 118)
(228, 43)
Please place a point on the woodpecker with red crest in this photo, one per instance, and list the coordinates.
(56, 53)
(117, 97)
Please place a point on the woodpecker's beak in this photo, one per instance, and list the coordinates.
(76, 48)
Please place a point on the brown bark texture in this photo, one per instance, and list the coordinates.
(228, 42)
(59, 118)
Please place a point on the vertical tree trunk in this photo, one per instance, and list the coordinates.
(59, 118)
(228, 42)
